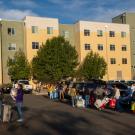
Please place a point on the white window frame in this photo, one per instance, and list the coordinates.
(124, 61)
(123, 48)
(12, 47)
(100, 47)
(49, 30)
(87, 46)
(86, 32)
(111, 33)
(34, 29)
(112, 61)
(12, 31)
(123, 34)
(35, 45)
(112, 47)
(100, 33)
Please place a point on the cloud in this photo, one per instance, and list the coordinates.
(97, 10)
(24, 3)
(57, 2)
(15, 14)
(68, 11)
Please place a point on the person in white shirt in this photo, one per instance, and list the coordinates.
(117, 93)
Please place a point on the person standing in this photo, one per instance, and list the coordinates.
(115, 100)
(72, 93)
(116, 93)
(61, 94)
(19, 102)
(87, 97)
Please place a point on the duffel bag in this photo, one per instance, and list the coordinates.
(112, 103)
(80, 103)
(133, 107)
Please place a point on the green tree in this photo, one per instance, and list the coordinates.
(93, 67)
(55, 59)
(18, 66)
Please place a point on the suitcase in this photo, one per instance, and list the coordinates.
(80, 103)
(133, 107)
(112, 103)
(6, 113)
(100, 104)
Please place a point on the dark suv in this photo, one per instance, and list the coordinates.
(124, 89)
(89, 85)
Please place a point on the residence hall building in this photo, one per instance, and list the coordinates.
(112, 41)
(37, 31)
(129, 18)
(11, 40)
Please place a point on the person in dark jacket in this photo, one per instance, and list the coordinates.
(1, 99)
(19, 102)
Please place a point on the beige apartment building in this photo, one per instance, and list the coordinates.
(129, 18)
(11, 40)
(112, 41)
(37, 31)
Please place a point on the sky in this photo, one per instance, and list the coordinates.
(68, 11)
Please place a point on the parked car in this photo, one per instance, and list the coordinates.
(130, 82)
(87, 85)
(124, 89)
(116, 81)
(27, 88)
(6, 88)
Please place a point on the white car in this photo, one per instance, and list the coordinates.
(26, 86)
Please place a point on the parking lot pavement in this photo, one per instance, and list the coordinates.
(45, 117)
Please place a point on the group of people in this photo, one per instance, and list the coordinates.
(16, 98)
(100, 97)
(56, 91)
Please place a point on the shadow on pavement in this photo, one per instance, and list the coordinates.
(53, 118)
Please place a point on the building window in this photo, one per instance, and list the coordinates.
(35, 45)
(49, 30)
(133, 42)
(100, 47)
(99, 33)
(86, 32)
(112, 47)
(123, 34)
(65, 34)
(124, 48)
(124, 60)
(12, 47)
(87, 46)
(112, 34)
(34, 29)
(113, 61)
(11, 31)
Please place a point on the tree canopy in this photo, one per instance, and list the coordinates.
(55, 59)
(93, 67)
(18, 67)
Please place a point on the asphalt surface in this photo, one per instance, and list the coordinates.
(46, 117)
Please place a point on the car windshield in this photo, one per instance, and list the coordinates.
(90, 85)
(24, 82)
(79, 86)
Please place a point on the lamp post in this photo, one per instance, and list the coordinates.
(106, 26)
